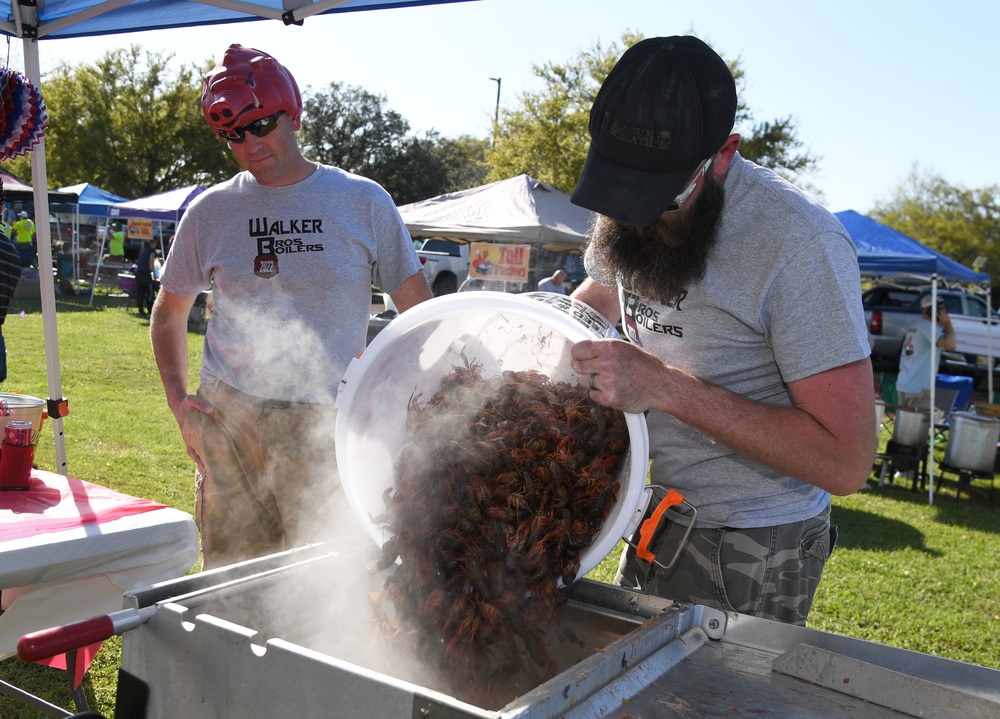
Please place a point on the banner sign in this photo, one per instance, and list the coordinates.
(490, 261)
(140, 229)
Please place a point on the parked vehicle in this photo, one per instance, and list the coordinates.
(890, 309)
(445, 264)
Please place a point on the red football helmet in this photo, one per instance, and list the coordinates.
(246, 86)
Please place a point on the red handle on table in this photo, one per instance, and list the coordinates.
(47, 643)
(52, 642)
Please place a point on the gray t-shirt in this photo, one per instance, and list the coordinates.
(780, 301)
(291, 270)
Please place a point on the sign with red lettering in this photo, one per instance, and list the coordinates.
(140, 229)
(491, 261)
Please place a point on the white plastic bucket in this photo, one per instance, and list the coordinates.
(411, 355)
(22, 407)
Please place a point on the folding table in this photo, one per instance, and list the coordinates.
(70, 549)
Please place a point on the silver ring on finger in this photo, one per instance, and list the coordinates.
(593, 376)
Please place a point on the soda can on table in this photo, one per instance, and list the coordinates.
(18, 433)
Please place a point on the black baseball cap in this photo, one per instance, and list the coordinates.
(667, 105)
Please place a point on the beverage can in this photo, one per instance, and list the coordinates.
(19, 433)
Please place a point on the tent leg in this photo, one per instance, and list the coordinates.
(43, 233)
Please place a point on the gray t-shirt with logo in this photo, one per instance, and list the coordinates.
(291, 270)
(780, 301)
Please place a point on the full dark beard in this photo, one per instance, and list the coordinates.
(661, 261)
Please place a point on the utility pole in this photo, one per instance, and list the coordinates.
(496, 116)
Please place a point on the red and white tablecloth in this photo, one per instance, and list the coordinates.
(70, 549)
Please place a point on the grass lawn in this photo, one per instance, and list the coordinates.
(905, 573)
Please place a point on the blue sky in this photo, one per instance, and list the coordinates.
(878, 87)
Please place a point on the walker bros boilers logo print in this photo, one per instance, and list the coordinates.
(278, 237)
(639, 314)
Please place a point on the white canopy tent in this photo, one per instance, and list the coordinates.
(32, 21)
(518, 210)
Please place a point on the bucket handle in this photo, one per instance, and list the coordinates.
(648, 528)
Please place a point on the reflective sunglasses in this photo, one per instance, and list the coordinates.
(679, 201)
(257, 128)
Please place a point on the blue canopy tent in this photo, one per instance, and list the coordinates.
(92, 202)
(885, 252)
(32, 21)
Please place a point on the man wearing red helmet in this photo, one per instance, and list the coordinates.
(290, 250)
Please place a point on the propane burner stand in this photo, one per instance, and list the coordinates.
(214, 647)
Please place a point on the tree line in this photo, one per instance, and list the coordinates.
(131, 124)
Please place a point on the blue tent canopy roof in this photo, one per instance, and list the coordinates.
(884, 251)
(93, 200)
(81, 18)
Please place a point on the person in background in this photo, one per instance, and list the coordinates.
(913, 383)
(554, 283)
(748, 351)
(10, 273)
(290, 250)
(116, 246)
(145, 276)
(24, 237)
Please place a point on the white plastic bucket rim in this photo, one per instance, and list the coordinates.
(23, 407)
(413, 353)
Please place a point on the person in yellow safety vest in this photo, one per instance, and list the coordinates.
(117, 245)
(24, 237)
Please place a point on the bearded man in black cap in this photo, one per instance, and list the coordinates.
(740, 297)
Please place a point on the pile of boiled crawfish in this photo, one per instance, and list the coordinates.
(501, 484)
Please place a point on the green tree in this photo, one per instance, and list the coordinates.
(350, 128)
(546, 133)
(959, 222)
(431, 166)
(130, 125)
(353, 129)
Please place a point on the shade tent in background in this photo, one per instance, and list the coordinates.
(167, 206)
(33, 22)
(887, 254)
(518, 210)
(92, 202)
(162, 207)
(16, 190)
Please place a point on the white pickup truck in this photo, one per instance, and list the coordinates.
(889, 309)
(445, 264)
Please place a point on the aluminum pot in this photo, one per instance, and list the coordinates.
(972, 442)
(911, 427)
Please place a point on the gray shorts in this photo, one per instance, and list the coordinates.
(769, 572)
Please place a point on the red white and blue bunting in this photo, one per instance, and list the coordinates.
(22, 115)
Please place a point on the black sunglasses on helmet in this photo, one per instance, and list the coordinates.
(257, 128)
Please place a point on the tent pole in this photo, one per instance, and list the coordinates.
(989, 343)
(934, 369)
(43, 234)
(97, 264)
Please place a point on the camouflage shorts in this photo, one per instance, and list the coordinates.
(769, 572)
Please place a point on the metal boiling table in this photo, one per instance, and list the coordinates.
(206, 649)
